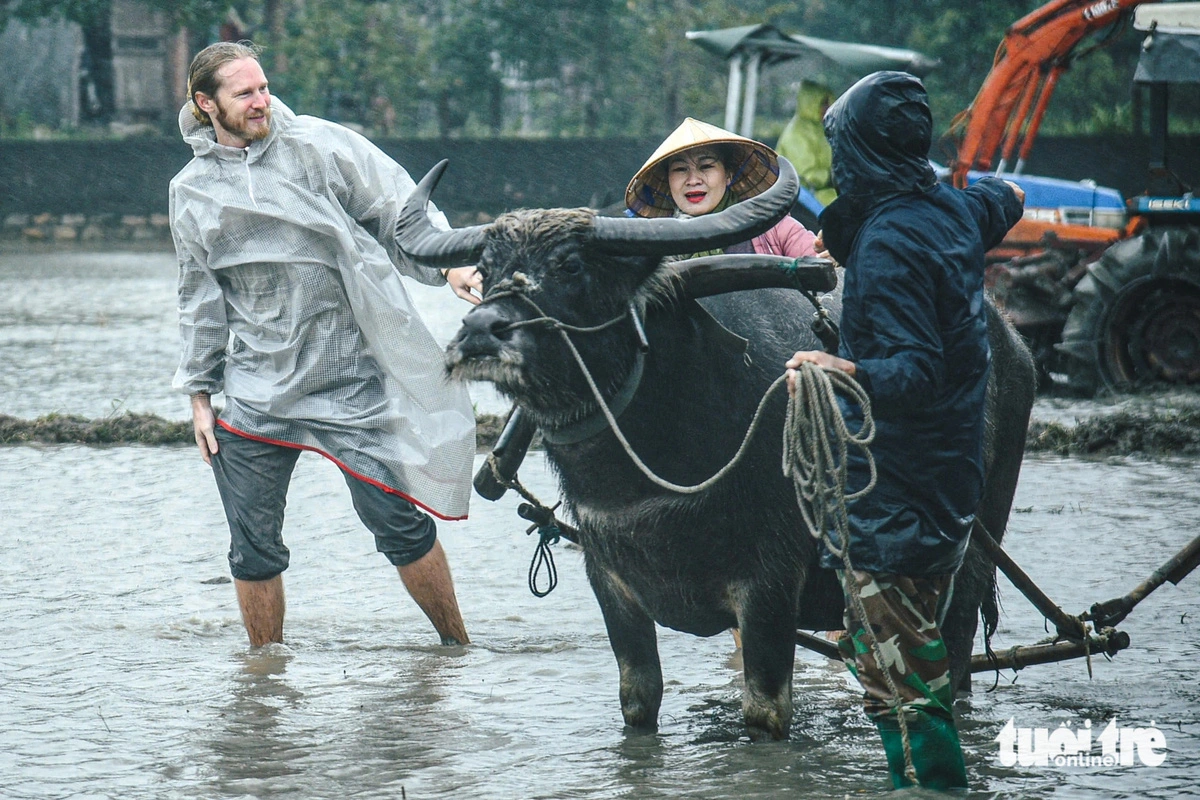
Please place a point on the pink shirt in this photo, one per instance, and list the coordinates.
(788, 238)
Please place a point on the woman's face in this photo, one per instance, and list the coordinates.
(698, 181)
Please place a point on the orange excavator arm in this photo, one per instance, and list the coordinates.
(1009, 107)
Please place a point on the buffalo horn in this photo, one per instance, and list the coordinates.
(709, 275)
(668, 236)
(435, 247)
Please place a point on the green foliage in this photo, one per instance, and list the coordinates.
(351, 62)
(87, 13)
(601, 67)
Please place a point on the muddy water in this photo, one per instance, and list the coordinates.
(124, 671)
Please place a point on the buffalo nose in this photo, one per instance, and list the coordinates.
(482, 331)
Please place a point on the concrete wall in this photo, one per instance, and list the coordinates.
(119, 188)
(131, 176)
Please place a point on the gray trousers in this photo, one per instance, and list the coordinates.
(253, 477)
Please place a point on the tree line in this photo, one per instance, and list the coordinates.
(556, 68)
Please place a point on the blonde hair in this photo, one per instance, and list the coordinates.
(202, 74)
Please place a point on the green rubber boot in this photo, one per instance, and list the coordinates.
(936, 753)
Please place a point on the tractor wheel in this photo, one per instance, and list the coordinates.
(1136, 316)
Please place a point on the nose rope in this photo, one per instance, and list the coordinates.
(545, 319)
(548, 526)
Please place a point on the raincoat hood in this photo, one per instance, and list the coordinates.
(203, 138)
(812, 101)
(880, 131)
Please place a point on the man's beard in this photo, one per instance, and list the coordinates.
(241, 130)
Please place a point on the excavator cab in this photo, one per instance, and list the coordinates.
(1170, 57)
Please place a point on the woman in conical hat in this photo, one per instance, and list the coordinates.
(701, 168)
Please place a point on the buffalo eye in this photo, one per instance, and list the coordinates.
(571, 265)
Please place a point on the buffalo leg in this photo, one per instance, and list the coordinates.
(635, 644)
(768, 629)
(972, 583)
(1011, 388)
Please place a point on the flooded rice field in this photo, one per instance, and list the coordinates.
(125, 672)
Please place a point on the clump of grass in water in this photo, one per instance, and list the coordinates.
(127, 428)
(1155, 433)
(487, 430)
(133, 428)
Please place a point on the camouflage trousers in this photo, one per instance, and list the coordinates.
(903, 613)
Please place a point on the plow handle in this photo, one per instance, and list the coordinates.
(1110, 612)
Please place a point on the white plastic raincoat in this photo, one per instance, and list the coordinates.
(290, 303)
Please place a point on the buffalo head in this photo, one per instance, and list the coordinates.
(569, 267)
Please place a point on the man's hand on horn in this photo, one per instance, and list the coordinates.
(463, 280)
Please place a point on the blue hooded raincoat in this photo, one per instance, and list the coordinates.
(914, 324)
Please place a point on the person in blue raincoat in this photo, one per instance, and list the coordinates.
(914, 336)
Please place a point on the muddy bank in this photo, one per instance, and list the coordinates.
(1175, 432)
(128, 428)
(131, 428)
(1121, 429)
(1150, 422)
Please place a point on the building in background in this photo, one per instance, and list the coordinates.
(127, 71)
(41, 64)
(149, 80)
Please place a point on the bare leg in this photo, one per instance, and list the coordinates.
(428, 581)
(262, 607)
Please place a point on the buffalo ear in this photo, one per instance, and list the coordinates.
(417, 236)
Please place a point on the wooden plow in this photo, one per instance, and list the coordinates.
(1082, 636)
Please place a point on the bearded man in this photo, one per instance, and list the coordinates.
(291, 304)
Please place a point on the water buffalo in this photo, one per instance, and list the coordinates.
(737, 554)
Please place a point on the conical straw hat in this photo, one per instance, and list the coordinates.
(752, 168)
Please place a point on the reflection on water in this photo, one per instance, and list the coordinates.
(124, 670)
(253, 745)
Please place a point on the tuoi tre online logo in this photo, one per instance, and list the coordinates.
(1067, 746)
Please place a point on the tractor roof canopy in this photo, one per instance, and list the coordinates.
(1171, 51)
(749, 47)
